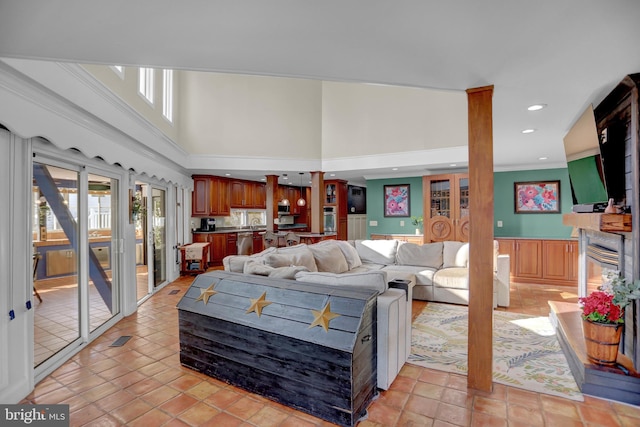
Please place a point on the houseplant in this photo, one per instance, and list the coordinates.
(603, 317)
(417, 221)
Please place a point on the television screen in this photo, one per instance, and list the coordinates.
(612, 150)
(356, 199)
(586, 178)
(584, 162)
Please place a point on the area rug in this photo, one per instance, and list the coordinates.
(526, 353)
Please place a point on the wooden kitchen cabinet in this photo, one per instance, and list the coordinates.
(222, 244)
(560, 260)
(211, 196)
(237, 194)
(200, 205)
(248, 195)
(409, 238)
(258, 244)
(446, 207)
(528, 259)
(545, 261)
(508, 247)
(259, 196)
(220, 197)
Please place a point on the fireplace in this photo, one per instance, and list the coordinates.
(606, 243)
(604, 253)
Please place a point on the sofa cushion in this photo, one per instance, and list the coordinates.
(329, 257)
(377, 251)
(298, 255)
(367, 266)
(287, 272)
(423, 276)
(455, 278)
(235, 263)
(350, 253)
(455, 254)
(427, 255)
(376, 280)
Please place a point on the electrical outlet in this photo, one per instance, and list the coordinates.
(401, 223)
(373, 223)
(499, 223)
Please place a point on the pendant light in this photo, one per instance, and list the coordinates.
(301, 202)
(285, 201)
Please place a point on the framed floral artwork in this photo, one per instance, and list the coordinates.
(537, 197)
(396, 200)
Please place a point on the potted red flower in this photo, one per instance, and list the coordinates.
(603, 317)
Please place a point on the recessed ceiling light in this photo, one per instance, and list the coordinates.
(528, 131)
(394, 169)
(332, 174)
(536, 107)
(453, 164)
(542, 158)
(227, 174)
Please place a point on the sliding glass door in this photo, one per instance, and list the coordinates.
(151, 238)
(75, 280)
(55, 262)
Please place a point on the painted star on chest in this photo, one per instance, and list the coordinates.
(258, 304)
(323, 317)
(205, 294)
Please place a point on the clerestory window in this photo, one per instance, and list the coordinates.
(167, 94)
(145, 86)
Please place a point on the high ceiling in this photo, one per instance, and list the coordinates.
(564, 53)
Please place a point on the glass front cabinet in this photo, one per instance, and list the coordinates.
(446, 209)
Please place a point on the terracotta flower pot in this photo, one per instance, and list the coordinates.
(602, 341)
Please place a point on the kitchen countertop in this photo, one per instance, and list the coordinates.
(220, 230)
(305, 234)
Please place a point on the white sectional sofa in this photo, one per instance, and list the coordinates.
(434, 272)
(438, 270)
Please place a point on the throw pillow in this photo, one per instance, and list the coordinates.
(455, 254)
(287, 272)
(426, 255)
(377, 251)
(254, 267)
(279, 260)
(301, 255)
(329, 258)
(350, 253)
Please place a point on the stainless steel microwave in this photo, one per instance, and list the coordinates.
(282, 208)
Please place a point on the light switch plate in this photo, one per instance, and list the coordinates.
(373, 223)
(499, 224)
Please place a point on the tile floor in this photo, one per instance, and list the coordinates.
(143, 384)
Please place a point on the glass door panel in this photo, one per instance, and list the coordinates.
(102, 218)
(55, 274)
(143, 288)
(463, 194)
(159, 238)
(440, 198)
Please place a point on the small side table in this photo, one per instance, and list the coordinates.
(194, 258)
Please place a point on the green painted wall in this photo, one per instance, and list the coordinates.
(513, 225)
(375, 206)
(530, 224)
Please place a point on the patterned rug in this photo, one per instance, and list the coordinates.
(526, 353)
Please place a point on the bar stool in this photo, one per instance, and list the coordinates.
(291, 239)
(270, 239)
